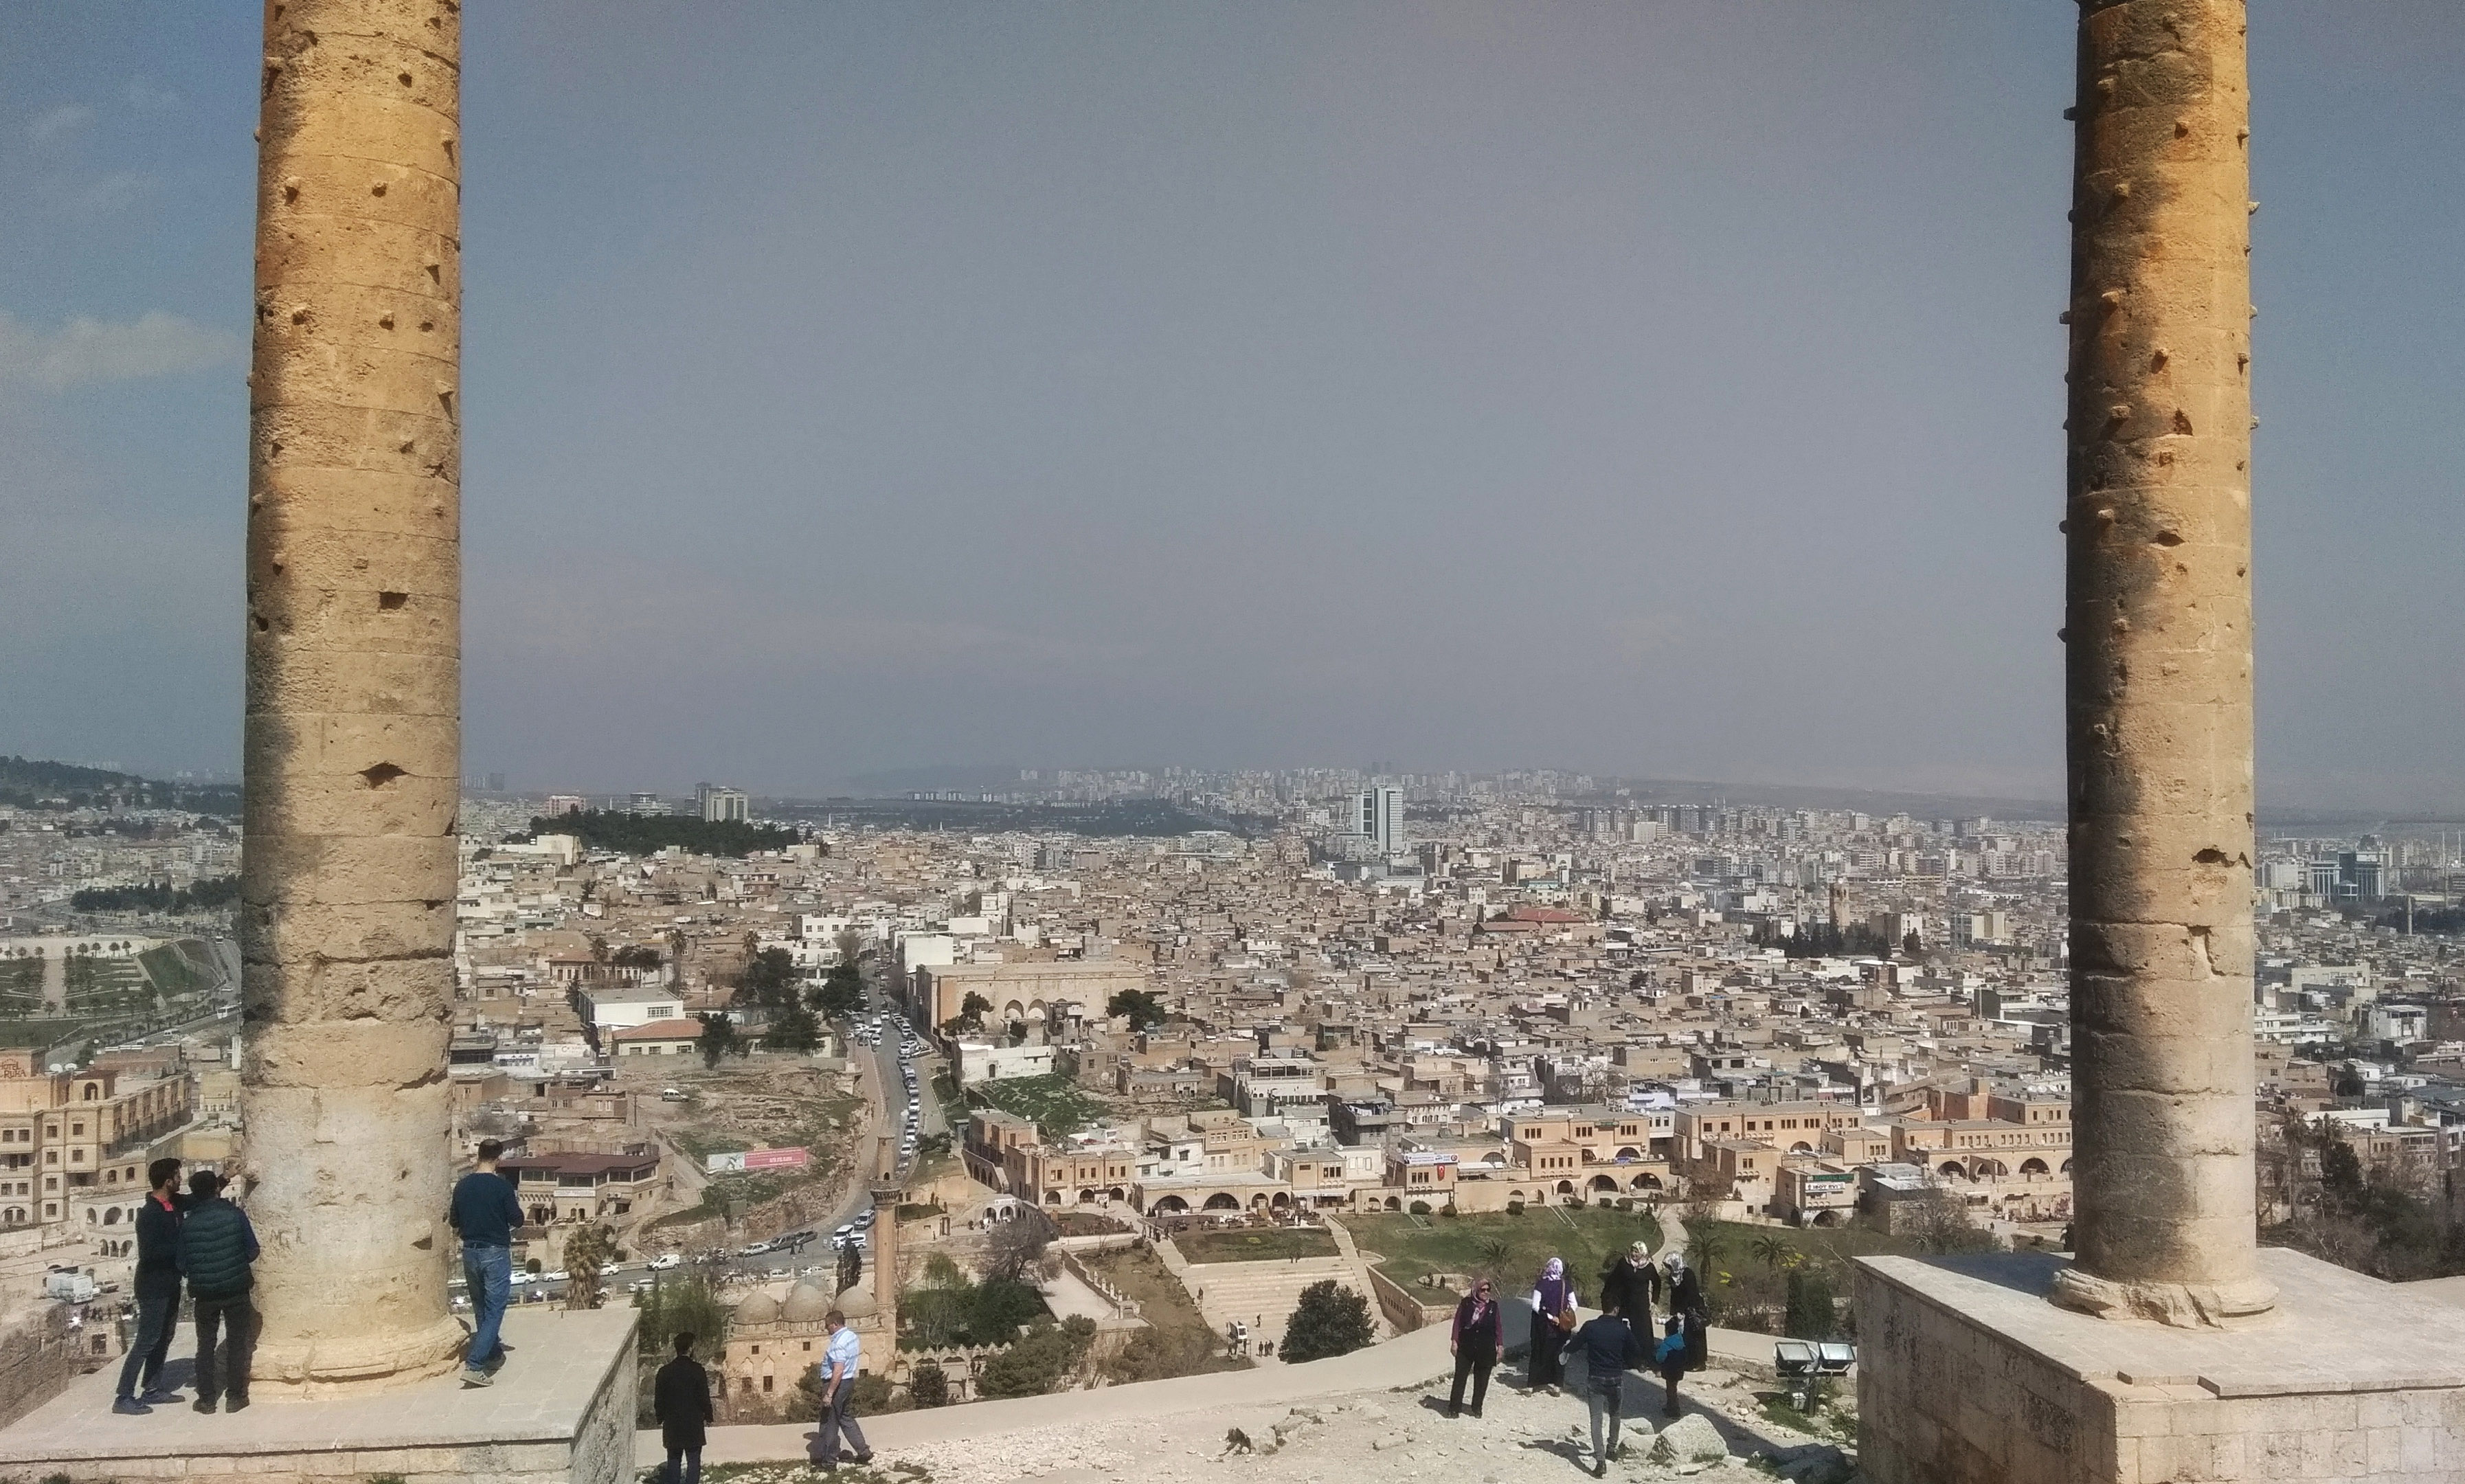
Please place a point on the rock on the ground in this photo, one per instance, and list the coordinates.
(1690, 1439)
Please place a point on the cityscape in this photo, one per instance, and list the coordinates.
(1403, 762)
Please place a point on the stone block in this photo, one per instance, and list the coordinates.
(562, 1412)
(1969, 1376)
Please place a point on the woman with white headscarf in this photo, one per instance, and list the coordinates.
(1553, 1315)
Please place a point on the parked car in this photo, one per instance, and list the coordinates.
(666, 1260)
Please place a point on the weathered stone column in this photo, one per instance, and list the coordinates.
(2158, 627)
(353, 710)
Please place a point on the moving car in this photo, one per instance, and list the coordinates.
(666, 1260)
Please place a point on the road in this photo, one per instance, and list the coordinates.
(880, 1071)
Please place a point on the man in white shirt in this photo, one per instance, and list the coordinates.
(838, 1395)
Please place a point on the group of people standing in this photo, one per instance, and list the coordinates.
(1619, 1338)
(204, 1244)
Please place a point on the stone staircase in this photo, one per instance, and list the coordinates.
(1262, 1295)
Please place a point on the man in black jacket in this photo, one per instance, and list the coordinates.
(216, 1247)
(681, 1403)
(157, 1292)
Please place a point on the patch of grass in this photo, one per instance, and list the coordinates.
(1139, 1275)
(1241, 1244)
(1056, 1103)
(1514, 1246)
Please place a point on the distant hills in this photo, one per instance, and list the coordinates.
(32, 783)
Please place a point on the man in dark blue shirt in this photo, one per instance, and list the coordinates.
(157, 1292)
(485, 1216)
(1608, 1348)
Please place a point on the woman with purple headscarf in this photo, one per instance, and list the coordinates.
(1553, 1315)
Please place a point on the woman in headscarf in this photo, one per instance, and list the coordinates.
(1553, 1317)
(1687, 1306)
(1478, 1341)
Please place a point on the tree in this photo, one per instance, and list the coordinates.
(928, 1387)
(840, 994)
(1770, 1249)
(1330, 1320)
(1811, 1314)
(769, 979)
(636, 956)
(718, 1039)
(1037, 1364)
(681, 1304)
(599, 947)
(793, 1030)
(586, 1252)
(973, 1009)
(1015, 1247)
(850, 1268)
(1141, 1005)
(1939, 1222)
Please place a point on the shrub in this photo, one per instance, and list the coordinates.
(1420, 1207)
(1330, 1320)
(1515, 1208)
(928, 1387)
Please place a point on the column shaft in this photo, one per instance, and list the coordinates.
(353, 699)
(2158, 660)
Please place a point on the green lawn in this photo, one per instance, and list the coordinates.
(1736, 1244)
(1587, 1239)
(1056, 1103)
(1241, 1244)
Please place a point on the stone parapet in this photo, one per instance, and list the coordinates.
(562, 1412)
(1968, 1375)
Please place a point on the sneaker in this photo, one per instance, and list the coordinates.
(1553, 1389)
(474, 1378)
(862, 1460)
(1601, 1469)
(158, 1396)
(130, 1407)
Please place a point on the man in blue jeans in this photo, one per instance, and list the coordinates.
(485, 1216)
(157, 1292)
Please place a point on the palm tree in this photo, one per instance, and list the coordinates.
(1708, 1251)
(586, 1252)
(1769, 1250)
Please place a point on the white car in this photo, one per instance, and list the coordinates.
(520, 1278)
(666, 1260)
(557, 1276)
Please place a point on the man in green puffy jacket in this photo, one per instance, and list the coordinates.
(216, 1248)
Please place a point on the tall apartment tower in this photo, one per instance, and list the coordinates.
(722, 804)
(1379, 814)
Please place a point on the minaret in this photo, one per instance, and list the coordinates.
(887, 1194)
(353, 719)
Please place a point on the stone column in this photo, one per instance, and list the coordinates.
(353, 708)
(2157, 634)
(887, 1194)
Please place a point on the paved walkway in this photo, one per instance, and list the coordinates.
(1411, 1361)
(1351, 1254)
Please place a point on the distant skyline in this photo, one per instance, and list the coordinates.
(1655, 391)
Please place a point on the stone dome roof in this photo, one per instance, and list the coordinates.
(806, 1305)
(760, 1309)
(856, 1303)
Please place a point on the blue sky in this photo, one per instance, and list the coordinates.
(1659, 389)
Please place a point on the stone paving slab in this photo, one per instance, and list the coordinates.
(2332, 1330)
(561, 1360)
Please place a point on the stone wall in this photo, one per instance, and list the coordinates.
(39, 1355)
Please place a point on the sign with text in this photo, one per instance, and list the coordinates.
(746, 1161)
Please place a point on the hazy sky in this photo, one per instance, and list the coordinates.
(1659, 389)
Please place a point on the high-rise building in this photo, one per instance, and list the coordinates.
(721, 804)
(1379, 814)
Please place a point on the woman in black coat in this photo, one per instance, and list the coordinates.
(1686, 1303)
(1479, 1343)
(680, 1401)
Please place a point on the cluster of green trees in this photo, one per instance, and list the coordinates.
(1830, 940)
(642, 835)
(2371, 1219)
(1330, 1320)
(679, 1303)
(1812, 1314)
(208, 895)
(1142, 1006)
(949, 1309)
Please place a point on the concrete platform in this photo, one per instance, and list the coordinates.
(1968, 1375)
(561, 1412)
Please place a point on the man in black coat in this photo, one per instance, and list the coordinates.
(680, 1401)
(217, 1249)
(157, 1292)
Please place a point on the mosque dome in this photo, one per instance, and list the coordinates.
(806, 1305)
(856, 1303)
(760, 1309)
